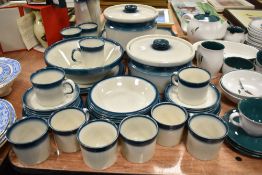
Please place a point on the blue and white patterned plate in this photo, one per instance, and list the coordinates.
(4, 116)
(5, 71)
(15, 70)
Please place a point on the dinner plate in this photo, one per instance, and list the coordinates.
(5, 71)
(250, 80)
(256, 24)
(4, 116)
(213, 98)
(235, 49)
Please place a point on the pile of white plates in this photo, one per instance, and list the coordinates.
(254, 37)
(31, 108)
(240, 84)
(7, 118)
(9, 70)
(211, 105)
(118, 97)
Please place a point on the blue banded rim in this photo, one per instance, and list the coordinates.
(169, 127)
(238, 63)
(84, 71)
(77, 34)
(89, 30)
(168, 99)
(102, 148)
(28, 91)
(235, 29)
(212, 45)
(134, 142)
(190, 84)
(204, 139)
(90, 101)
(131, 27)
(92, 48)
(48, 85)
(67, 132)
(33, 143)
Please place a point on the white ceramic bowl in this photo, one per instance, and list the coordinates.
(98, 140)
(138, 135)
(171, 120)
(230, 96)
(64, 124)
(70, 32)
(206, 133)
(123, 95)
(30, 140)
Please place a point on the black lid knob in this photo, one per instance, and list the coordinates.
(161, 44)
(130, 8)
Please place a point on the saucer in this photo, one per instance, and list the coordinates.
(15, 70)
(5, 71)
(30, 102)
(240, 138)
(213, 97)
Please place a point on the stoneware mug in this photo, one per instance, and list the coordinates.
(92, 52)
(89, 29)
(206, 133)
(71, 32)
(250, 116)
(50, 86)
(235, 34)
(171, 120)
(210, 56)
(236, 63)
(192, 84)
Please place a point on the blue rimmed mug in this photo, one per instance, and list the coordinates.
(50, 86)
(192, 85)
(91, 51)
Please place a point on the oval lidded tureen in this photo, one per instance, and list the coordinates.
(126, 21)
(157, 57)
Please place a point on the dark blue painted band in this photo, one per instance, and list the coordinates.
(170, 127)
(138, 143)
(134, 27)
(98, 149)
(64, 133)
(203, 139)
(31, 143)
(89, 30)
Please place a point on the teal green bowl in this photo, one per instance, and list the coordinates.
(236, 63)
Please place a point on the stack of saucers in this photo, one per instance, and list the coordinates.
(118, 97)
(240, 84)
(239, 140)
(254, 37)
(9, 70)
(32, 108)
(7, 118)
(211, 105)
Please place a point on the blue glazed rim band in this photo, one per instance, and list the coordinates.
(238, 63)
(102, 148)
(67, 132)
(30, 143)
(170, 127)
(190, 84)
(84, 71)
(212, 45)
(49, 85)
(89, 30)
(92, 49)
(77, 34)
(208, 140)
(89, 97)
(131, 27)
(138, 143)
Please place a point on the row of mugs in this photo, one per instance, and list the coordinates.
(98, 139)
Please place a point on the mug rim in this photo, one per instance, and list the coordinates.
(214, 42)
(241, 111)
(239, 58)
(92, 48)
(71, 27)
(93, 29)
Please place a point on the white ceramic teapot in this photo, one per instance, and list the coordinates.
(205, 27)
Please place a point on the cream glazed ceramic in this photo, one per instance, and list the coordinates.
(65, 124)
(192, 85)
(138, 135)
(98, 140)
(171, 120)
(30, 140)
(206, 133)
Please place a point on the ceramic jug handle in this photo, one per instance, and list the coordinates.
(73, 54)
(174, 78)
(87, 114)
(70, 84)
(199, 57)
(231, 119)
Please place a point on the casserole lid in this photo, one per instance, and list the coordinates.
(130, 13)
(160, 50)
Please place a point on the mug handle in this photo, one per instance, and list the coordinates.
(73, 54)
(199, 56)
(174, 79)
(87, 114)
(69, 83)
(231, 119)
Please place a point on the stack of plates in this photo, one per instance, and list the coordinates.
(9, 70)
(254, 37)
(240, 84)
(212, 104)
(239, 140)
(118, 97)
(32, 108)
(7, 118)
